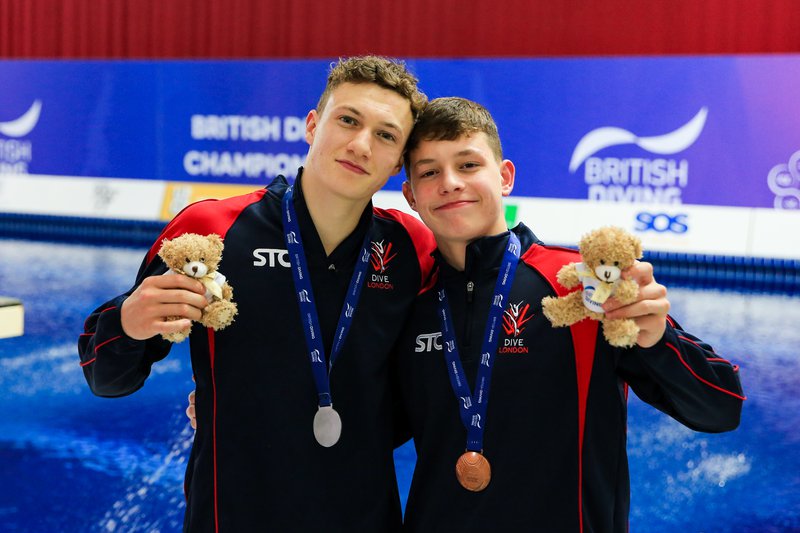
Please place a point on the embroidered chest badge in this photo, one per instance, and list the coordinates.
(514, 319)
(381, 255)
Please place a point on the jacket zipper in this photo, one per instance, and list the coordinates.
(468, 314)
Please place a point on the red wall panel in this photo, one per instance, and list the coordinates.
(410, 28)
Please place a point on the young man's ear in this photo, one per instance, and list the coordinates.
(399, 167)
(311, 125)
(507, 173)
(409, 195)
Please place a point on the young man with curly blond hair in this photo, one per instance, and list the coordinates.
(294, 403)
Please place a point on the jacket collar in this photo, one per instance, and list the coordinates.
(485, 254)
(346, 254)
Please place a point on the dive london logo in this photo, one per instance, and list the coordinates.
(380, 256)
(637, 179)
(514, 320)
(784, 181)
(16, 153)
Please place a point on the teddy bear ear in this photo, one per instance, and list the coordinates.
(637, 246)
(163, 252)
(216, 241)
(593, 240)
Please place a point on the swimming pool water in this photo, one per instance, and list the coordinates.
(72, 462)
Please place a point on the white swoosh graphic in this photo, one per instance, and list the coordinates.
(669, 143)
(24, 124)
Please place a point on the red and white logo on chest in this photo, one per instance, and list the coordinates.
(514, 319)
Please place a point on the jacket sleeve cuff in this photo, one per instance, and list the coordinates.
(110, 324)
(669, 336)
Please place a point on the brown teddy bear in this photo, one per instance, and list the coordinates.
(606, 252)
(198, 256)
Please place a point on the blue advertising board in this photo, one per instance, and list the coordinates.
(684, 130)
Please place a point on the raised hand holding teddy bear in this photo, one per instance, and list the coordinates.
(606, 252)
(198, 256)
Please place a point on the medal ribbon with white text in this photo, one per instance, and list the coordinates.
(308, 309)
(473, 406)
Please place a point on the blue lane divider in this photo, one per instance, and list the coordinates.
(105, 232)
(756, 274)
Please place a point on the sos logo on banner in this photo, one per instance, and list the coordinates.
(661, 222)
(637, 179)
(16, 153)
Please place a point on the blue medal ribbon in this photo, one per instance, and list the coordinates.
(472, 407)
(308, 309)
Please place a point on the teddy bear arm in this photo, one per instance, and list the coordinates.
(564, 310)
(568, 276)
(227, 292)
(627, 291)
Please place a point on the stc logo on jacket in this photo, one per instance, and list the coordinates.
(380, 256)
(514, 320)
(271, 257)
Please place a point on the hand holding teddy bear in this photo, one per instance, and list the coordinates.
(606, 252)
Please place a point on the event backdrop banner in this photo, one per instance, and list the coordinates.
(653, 137)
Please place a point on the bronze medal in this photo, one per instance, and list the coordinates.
(473, 471)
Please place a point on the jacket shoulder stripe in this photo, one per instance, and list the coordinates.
(206, 217)
(548, 261)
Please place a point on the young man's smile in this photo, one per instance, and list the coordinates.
(457, 186)
(455, 204)
(352, 167)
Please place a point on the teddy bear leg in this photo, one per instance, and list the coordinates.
(178, 336)
(621, 332)
(564, 311)
(218, 315)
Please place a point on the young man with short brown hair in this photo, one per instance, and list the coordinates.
(294, 425)
(546, 450)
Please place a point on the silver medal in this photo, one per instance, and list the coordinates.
(327, 426)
